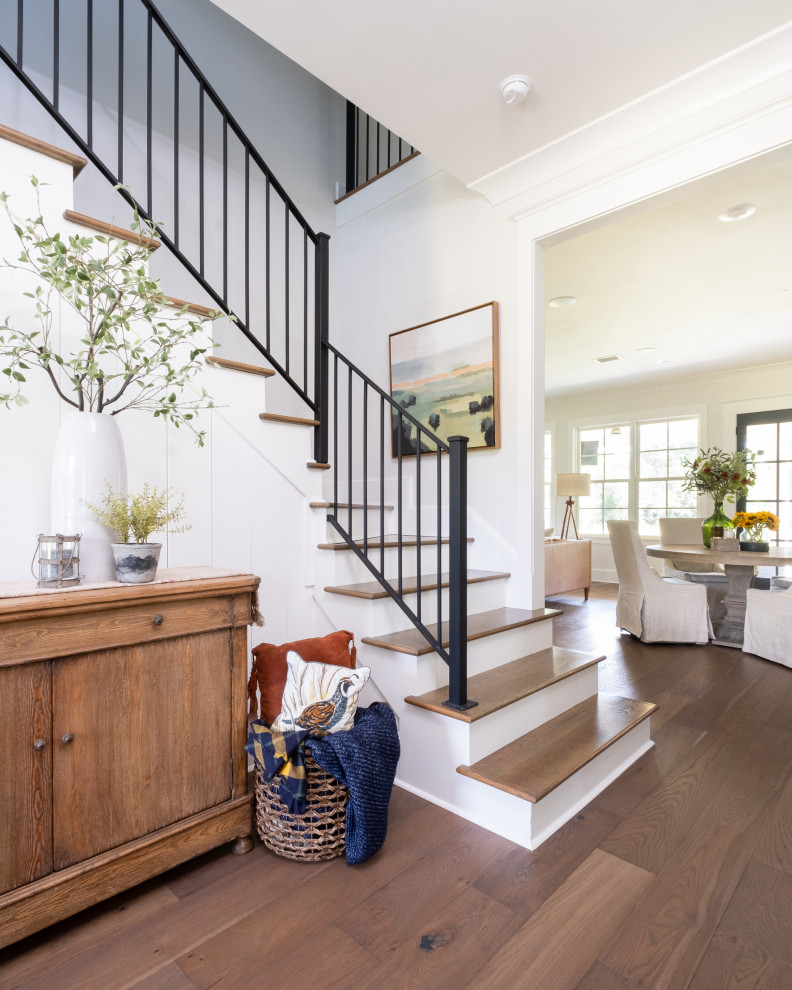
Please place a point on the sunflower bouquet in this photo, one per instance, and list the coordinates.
(754, 522)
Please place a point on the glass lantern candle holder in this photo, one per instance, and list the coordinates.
(57, 561)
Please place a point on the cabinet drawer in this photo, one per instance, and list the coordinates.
(97, 629)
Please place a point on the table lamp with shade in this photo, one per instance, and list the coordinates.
(571, 485)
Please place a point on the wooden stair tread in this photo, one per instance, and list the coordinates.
(294, 420)
(77, 162)
(373, 589)
(389, 540)
(318, 466)
(480, 624)
(346, 505)
(536, 763)
(250, 369)
(196, 308)
(501, 686)
(110, 230)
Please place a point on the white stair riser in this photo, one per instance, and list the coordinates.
(521, 821)
(347, 569)
(375, 523)
(502, 727)
(417, 675)
(383, 615)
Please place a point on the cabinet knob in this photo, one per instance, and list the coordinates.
(40, 744)
(158, 620)
(67, 738)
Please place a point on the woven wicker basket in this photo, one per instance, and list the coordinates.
(315, 835)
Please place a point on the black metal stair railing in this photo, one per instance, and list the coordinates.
(374, 421)
(121, 85)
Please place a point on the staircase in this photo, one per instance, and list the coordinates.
(524, 741)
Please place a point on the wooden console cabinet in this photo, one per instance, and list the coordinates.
(567, 566)
(122, 733)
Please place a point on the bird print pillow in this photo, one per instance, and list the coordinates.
(319, 696)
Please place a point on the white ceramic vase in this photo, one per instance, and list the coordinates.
(89, 454)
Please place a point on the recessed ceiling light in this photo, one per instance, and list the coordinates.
(607, 357)
(645, 350)
(664, 361)
(562, 302)
(741, 212)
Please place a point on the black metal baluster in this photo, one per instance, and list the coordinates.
(89, 76)
(120, 91)
(305, 309)
(400, 502)
(287, 296)
(225, 211)
(378, 147)
(20, 30)
(418, 523)
(335, 436)
(201, 246)
(247, 236)
(267, 247)
(176, 98)
(321, 344)
(149, 113)
(439, 554)
(368, 150)
(365, 468)
(349, 451)
(351, 146)
(382, 481)
(55, 53)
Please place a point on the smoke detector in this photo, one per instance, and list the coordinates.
(514, 89)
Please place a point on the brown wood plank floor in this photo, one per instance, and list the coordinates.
(678, 876)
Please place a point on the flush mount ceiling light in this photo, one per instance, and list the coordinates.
(562, 302)
(741, 212)
(607, 357)
(514, 89)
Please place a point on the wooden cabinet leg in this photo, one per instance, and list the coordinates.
(241, 845)
(586, 592)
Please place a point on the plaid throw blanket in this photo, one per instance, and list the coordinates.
(283, 754)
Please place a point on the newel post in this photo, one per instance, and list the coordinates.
(457, 574)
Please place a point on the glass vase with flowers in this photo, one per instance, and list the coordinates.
(724, 476)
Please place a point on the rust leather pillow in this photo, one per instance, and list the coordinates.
(270, 668)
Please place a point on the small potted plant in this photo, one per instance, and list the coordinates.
(752, 524)
(134, 518)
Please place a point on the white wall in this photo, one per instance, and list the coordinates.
(426, 249)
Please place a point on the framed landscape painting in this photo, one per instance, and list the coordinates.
(445, 374)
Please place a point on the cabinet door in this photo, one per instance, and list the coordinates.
(26, 775)
(141, 739)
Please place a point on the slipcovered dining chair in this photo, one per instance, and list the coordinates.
(710, 575)
(768, 619)
(655, 610)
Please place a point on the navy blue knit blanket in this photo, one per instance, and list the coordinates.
(364, 758)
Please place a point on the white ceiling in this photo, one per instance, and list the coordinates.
(430, 70)
(708, 295)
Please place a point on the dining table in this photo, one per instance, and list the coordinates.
(740, 569)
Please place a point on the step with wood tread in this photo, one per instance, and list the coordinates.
(346, 505)
(293, 420)
(373, 590)
(502, 686)
(318, 466)
(110, 230)
(538, 762)
(77, 162)
(250, 369)
(479, 625)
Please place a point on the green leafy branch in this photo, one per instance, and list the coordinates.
(132, 351)
(141, 514)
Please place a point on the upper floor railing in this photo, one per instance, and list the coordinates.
(372, 149)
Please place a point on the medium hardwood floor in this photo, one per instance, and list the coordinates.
(679, 875)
